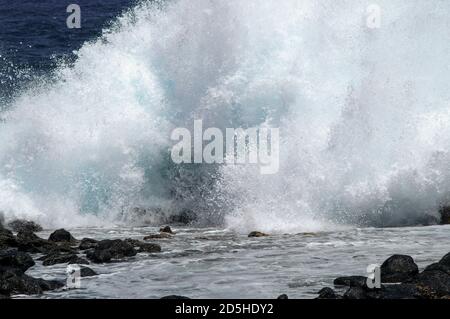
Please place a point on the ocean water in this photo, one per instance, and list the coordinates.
(217, 263)
(364, 118)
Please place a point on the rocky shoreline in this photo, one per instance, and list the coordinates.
(60, 248)
(400, 279)
(20, 248)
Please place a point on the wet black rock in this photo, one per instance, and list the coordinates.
(24, 225)
(87, 243)
(402, 291)
(328, 293)
(29, 242)
(436, 282)
(432, 283)
(166, 229)
(13, 279)
(257, 234)
(438, 266)
(175, 297)
(14, 259)
(356, 293)
(144, 247)
(61, 235)
(158, 236)
(47, 285)
(445, 261)
(398, 268)
(7, 239)
(108, 250)
(87, 272)
(62, 258)
(283, 297)
(351, 281)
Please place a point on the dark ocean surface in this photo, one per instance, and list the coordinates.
(34, 36)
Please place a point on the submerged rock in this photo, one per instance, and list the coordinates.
(158, 236)
(398, 268)
(87, 272)
(107, 250)
(144, 247)
(19, 225)
(166, 229)
(257, 234)
(87, 243)
(61, 235)
(351, 281)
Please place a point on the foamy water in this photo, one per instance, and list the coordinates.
(217, 263)
(363, 116)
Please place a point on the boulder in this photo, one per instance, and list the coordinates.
(166, 229)
(283, 297)
(87, 272)
(58, 258)
(7, 239)
(87, 243)
(398, 268)
(445, 261)
(61, 235)
(47, 285)
(24, 225)
(356, 293)
(403, 291)
(438, 266)
(144, 247)
(14, 259)
(435, 282)
(108, 250)
(351, 281)
(13, 281)
(328, 293)
(158, 236)
(29, 242)
(257, 234)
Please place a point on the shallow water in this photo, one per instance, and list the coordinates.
(217, 263)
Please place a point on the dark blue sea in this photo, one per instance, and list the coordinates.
(34, 35)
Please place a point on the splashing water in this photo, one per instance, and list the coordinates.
(363, 115)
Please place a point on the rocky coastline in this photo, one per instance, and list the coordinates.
(21, 248)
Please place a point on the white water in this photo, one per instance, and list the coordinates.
(363, 114)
